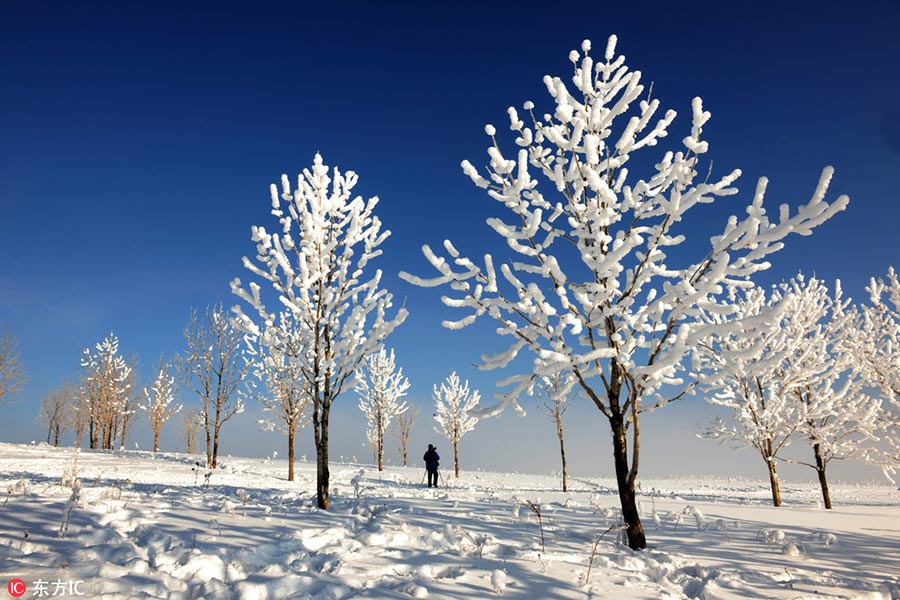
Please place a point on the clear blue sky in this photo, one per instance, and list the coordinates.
(137, 143)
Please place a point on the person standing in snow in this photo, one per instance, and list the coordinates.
(432, 459)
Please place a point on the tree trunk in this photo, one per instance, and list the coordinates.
(820, 469)
(773, 481)
(635, 530)
(49, 433)
(562, 452)
(403, 448)
(58, 431)
(456, 457)
(291, 454)
(215, 451)
(380, 448)
(322, 474)
(156, 439)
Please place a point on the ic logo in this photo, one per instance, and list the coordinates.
(16, 587)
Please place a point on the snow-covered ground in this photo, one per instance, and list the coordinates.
(145, 526)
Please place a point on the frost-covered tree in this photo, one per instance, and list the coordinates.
(54, 411)
(213, 368)
(315, 263)
(380, 387)
(403, 429)
(840, 418)
(453, 406)
(12, 374)
(276, 356)
(191, 426)
(105, 391)
(132, 402)
(554, 403)
(591, 289)
(159, 401)
(783, 367)
(876, 346)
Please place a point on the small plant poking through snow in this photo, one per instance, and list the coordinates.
(71, 503)
(536, 509)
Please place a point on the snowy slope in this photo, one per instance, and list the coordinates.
(147, 527)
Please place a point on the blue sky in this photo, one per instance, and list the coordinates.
(137, 143)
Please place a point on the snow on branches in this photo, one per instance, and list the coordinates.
(454, 406)
(380, 388)
(591, 286)
(315, 261)
(106, 389)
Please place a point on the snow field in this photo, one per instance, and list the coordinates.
(147, 527)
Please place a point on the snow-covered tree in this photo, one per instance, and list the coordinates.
(12, 374)
(453, 405)
(55, 409)
(781, 367)
(591, 289)
(106, 391)
(555, 390)
(276, 355)
(213, 368)
(315, 265)
(159, 401)
(191, 426)
(403, 429)
(876, 346)
(380, 388)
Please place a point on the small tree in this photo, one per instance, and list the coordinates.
(875, 342)
(191, 426)
(380, 388)
(590, 289)
(212, 367)
(315, 265)
(105, 391)
(54, 408)
(453, 402)
(12, 374)
(159, 399)
(276, 355)
(555, 402)
(403, 428)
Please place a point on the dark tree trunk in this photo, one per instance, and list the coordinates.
(215, 451)
(380, 447)
(456, 457)
(291, 453)
(49, 433)
(404, 453)
(562, 447)
(58, 432)
(635, 530)
(820, 469)
(320, 420)
(773, 481)
(156, 439)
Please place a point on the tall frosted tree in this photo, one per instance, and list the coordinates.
(213, 368)
(380, 387)
(279, 385)
(159, 401)
(12, 374)
(315, 262)
(590, 288)
(403, 429)
(876, 345)
(106, 395)
(453, 406)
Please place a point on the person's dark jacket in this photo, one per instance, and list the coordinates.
(431, 459)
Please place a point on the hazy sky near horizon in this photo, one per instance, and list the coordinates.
(137, 144)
